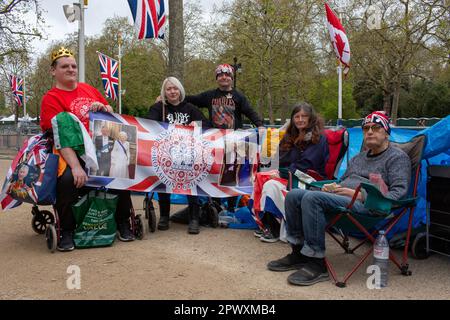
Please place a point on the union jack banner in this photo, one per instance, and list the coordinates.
(16, 85)
(25, 177)
(151, 156)
(109, 70)
(149, 18)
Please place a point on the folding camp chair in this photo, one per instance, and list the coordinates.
(386, 213)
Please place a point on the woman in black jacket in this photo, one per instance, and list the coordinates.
(173, 109)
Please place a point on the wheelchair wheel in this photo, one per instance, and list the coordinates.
(150, 214)
(139, 227)
(419, 247)
(51, 237)
(40, 220)
(213, 218)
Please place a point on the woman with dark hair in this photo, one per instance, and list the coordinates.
(303, 147)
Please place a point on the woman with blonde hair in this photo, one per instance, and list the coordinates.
(174, 109)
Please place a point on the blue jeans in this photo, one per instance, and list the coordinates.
(305, 218)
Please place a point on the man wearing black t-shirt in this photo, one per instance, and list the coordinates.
(226, 106)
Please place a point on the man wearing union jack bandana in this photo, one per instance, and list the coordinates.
(305, 209)
(226, 106)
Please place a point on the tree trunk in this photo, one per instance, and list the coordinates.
(269, 93)
(176, 39)
(387, 102)
(395, 103)
(261, 96)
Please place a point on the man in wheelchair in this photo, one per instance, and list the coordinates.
(305, 209)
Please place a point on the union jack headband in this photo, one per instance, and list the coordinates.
(224, 68)
(378, 117)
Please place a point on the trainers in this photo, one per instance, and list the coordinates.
(268, 237)
(163, 223)
(312, 272)
(66, 242)
(125, 233)
(292, 261)
(258, 233)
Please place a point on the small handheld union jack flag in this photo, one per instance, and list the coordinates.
(149, 18)
(16, 85)
(109, 69)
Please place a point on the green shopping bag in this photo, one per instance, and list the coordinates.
(94, 215)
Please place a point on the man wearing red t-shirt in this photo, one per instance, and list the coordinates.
(78, 98)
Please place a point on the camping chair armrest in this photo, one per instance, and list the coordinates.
(316, 175)
(376, 201)
(320, 184)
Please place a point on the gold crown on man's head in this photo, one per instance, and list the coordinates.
(61, 52)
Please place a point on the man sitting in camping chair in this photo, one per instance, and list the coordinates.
(305, 209)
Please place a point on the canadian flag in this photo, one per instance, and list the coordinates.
(338, 39)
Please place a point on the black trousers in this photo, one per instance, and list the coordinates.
(67, 195)
(164, 203)
(231, 202)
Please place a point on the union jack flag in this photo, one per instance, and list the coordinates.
(149, 18)
(17, 89)
(33, 152)
(109, 69)
(171, 158)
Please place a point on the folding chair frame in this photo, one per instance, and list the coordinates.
(407, 204)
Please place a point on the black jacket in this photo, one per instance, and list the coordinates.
(183, 114)
(226, 108)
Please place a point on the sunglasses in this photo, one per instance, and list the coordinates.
(375, 128)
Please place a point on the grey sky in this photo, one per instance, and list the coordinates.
(95, 15)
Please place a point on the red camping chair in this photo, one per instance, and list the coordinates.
(387, 212)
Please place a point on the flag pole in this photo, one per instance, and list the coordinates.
(120, 73)
(339, 120)
(339, 69)
(24, 99)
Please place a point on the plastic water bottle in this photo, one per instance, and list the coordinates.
(381, 257)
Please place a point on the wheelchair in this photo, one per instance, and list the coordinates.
(47, 222)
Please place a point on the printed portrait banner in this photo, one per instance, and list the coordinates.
(148, 156)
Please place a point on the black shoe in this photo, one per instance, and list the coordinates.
(310, 273)
(66, 242)
(125, 233)
(194, 227)
(292, 261)
(163, 223)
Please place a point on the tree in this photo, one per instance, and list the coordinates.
(20, 20)
(408, 28)
(176, 39)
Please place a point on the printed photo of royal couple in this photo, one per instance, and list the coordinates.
(116, 149)
(237, 168)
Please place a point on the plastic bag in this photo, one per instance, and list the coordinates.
(96, 225)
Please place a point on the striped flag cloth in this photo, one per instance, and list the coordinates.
(149, 18)
(339, 39)
(16, 85)
(172, 158)
(69, 132)
(109, 71)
